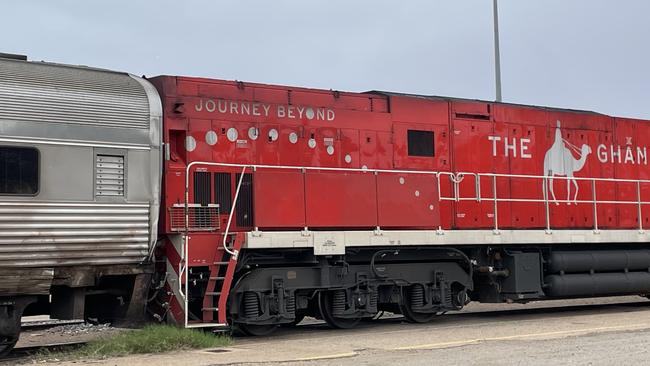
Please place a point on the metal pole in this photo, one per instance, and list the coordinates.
(494, 196)
(497, 57)
(595, 200)
(638, 200)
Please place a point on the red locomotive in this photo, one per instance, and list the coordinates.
(278, 202)
(281, 202)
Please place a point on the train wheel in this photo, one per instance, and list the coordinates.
(299, 318)
(7, 343)
(330, 300)
(255, 329)
(414, 297)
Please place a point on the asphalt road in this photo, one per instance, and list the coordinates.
(579, 332)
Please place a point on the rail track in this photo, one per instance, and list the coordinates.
(45, 324)
(26, 352)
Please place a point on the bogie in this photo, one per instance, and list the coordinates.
(342, 291)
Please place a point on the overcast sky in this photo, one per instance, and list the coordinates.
(583, 54)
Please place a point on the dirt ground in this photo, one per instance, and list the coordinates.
(575, 332)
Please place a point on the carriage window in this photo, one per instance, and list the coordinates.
(18, 170)
(420, 143)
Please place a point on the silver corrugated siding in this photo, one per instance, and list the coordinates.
(35, 92)
(60, 234)
(62, 110)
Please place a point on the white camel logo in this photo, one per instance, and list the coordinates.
(559, 161)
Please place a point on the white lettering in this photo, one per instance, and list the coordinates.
(524, 148)
(494, 140)
(222, 105)
(330, 115)
(245, 108)
(210, 106)
(616, 153)
(512, 147)
(628, 155)
(601, 151)
(641, 154)
(262, 109)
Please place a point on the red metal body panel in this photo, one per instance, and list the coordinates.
(535, 161)
(288, 209)
(408, 201)
(341, 200)
(274, 125)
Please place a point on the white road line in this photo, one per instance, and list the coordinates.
(521, 336)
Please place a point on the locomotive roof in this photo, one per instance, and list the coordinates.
(452, 99)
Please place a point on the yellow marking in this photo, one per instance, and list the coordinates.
(518, 336)
(314, 358)
(325, 357)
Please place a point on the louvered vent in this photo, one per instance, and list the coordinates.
(222, 191)
(109, 175)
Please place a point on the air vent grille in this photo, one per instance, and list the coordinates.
(109, 175)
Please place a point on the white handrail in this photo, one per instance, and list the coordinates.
(233, 253)
(456, 179)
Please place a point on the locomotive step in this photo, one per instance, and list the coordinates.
(206, 325)
(217, 278)
(212, 293)
(220, 263)
(210, 309)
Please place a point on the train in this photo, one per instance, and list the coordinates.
(226, 204)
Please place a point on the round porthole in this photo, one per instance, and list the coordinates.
(211, 137)
(190, 143)
(273, 134)
(253, 133)
(232, 134)
(312, 143)
(330, 150)
(293, 137)
(348, 158)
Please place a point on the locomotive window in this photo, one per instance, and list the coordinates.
(18, 170)
(420, 143)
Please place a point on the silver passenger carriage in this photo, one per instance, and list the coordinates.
(80, 170)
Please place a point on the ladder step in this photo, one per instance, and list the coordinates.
(217, 278)
(210, 309)
(221, 263)
(205, 325)
(212, 293)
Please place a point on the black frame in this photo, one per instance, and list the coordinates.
(418, 143)
(38, 172)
